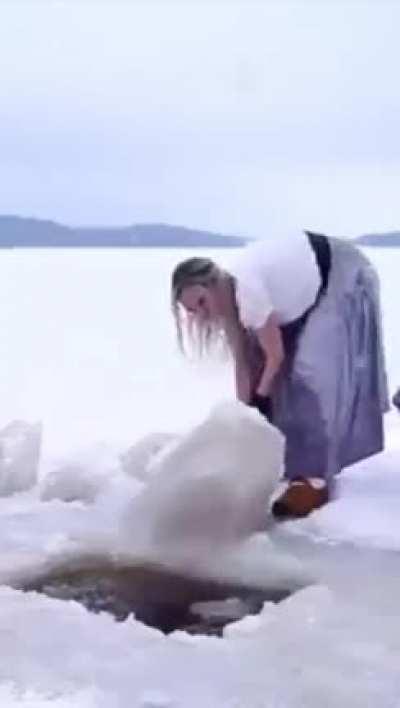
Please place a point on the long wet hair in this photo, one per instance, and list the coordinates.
(194, 334)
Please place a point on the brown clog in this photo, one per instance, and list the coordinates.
(301, 496)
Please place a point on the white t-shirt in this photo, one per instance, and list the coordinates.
(277, 275)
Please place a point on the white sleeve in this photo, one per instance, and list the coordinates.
(254, 303)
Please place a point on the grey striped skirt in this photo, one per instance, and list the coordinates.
(331, 393)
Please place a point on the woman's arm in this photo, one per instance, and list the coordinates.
(242, 380)
(236, 339)
(270, 338)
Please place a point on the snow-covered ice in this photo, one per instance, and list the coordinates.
(130, 441)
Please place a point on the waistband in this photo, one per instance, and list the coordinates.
(320, 245)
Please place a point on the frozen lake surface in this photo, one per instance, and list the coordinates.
(88, 350)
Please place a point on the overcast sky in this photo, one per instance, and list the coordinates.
(241, 117)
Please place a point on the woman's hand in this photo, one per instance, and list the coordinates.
(263, 405)
(264, 388)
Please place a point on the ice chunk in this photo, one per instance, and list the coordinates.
(233, 608)
(19, 456)
(71, 483)
(156, 699)
(247, 627)
(213, 485)
(307, 607)
(137, 460)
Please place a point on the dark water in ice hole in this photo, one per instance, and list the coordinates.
(157, 597)
(163, 599)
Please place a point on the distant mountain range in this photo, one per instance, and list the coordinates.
(390, 239)
(18, 232)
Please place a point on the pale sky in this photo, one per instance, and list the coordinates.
(241, 117)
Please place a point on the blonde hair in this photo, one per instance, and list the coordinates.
(194, 334)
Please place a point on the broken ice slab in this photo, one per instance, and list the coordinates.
(20, 444)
